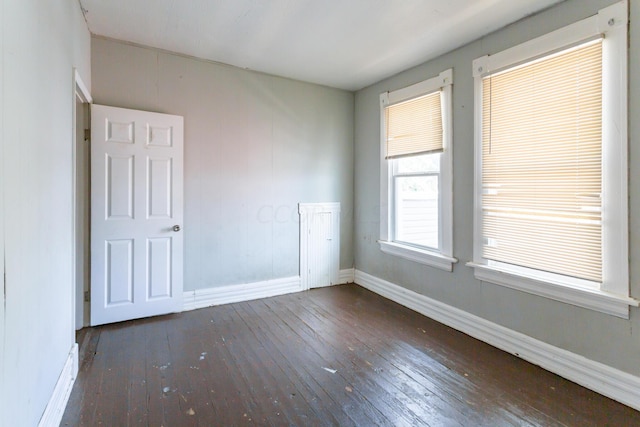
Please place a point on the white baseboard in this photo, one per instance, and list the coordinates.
(601, 378)
(58, 402)
(346, 276)
(201, 298)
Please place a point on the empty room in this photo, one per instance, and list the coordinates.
(310, 213)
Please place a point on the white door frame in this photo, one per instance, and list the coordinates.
(4, 406)
(81, 93)
(306, 211)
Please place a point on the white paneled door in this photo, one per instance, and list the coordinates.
(136, 214)
(319, 244)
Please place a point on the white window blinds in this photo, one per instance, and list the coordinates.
(542, 164)
(414, 126)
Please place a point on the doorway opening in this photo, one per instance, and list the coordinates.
(81, 180)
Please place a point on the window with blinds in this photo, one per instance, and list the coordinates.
(542, 164)
(416, 172)
(414, 126)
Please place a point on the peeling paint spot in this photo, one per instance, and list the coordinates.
(190, 411)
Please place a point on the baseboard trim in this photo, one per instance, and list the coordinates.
(54, 411)
(201, 298)
(596, 376)
(346, 276)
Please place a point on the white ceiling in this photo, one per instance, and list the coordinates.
(348, 44)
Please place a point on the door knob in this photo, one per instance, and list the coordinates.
(176, 228)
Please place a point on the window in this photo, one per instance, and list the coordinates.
(416, 167)
(551, 180)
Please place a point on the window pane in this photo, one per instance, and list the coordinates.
(416, 164)
(416, 210)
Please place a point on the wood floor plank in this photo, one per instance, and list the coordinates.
(229, 384)
(508, 374)
(306, 354)
(421, 395)
(137, 411)
(280, 389)
(249, 358)
(374, 388)
(291, 353)
(438, 373)
(332, 356)
(399, 356)
(185, 351)
(113, 388)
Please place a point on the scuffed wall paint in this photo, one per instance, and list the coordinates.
(42, 42)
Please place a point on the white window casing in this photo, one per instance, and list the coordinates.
(612, 294)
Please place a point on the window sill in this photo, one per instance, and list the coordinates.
(594, 299)
(422, 256)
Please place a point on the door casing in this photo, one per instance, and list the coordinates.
(80, 170)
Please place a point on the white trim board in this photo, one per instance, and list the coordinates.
(201, 298)
(596, 376)
(207, 297)
(346, 276)
(52, 415)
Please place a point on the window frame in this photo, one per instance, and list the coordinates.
(612, 297)
(441, 258)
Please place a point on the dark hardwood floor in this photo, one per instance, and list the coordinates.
(332, 356)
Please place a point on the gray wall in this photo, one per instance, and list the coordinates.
(41, 42)
(255, 146)
(596, 336)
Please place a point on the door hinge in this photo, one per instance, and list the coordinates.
(87, 296)
(87, 135)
